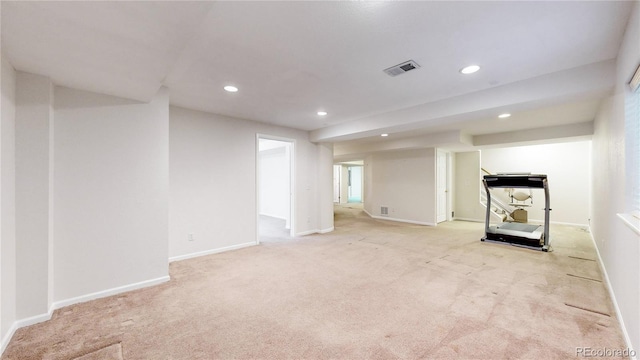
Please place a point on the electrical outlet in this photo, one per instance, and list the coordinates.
(190, 237)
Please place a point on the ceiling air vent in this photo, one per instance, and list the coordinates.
(402, 68)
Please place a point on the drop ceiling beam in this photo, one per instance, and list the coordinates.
(572, 84)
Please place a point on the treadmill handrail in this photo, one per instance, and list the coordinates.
(547, 209)
(488, 214)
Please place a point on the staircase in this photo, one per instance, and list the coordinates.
(499, 210)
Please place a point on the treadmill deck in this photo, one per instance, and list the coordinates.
(516, 233)
(533, 232)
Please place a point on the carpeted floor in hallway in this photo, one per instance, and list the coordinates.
(369, 290)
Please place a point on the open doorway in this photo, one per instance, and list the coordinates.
(274, 170)
(354, 183)
(348, 182)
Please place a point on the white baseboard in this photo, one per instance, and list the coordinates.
(400, 220)
(109, 292)
(34, 319)
(541, 222)
(567, 223)
(531, 221)
(404, 221)
(328, 230)
(7, 337)
(212, 251)
(366, 212)
(76, 300)
(627, 339)
(468, 219)
(315, 231)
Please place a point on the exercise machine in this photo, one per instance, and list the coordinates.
(519, 234)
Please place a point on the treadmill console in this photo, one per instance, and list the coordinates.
(515, 181)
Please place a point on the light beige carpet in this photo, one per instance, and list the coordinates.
(111, 352)
(370, 290)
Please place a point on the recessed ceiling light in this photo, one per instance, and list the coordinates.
(231, 88)
(470, 69)
(384, 135)
(504, 116)
(322, 113)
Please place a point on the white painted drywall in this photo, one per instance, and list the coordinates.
(568, 168)
(404, 181)
(467, 175)
(7, 201)
(33, 187)
(367, 188)
(213, 182)
(111, 191)
(618, 245)
(274, 179)
(325, 186)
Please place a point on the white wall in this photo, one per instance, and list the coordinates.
(97, 181)
(324, 199)
(213, 182)
(111, 192)
(618, 245)
(7, 204)
(34, 122)
(367, 188)
(568, 167)
(467, 175)
(404, 181)
(274, 183)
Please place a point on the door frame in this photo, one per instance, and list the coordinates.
(337, 181)
(350, 167)
(292, 181)
(448, 187)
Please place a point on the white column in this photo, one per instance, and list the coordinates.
(7, 203)
(325, 186)
(34, 118)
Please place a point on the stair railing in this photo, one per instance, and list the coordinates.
(499, 208)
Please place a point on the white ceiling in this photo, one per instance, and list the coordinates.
(549, 63)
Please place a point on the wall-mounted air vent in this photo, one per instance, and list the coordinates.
(402, 68)
(384, 210)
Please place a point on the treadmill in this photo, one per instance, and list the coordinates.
(519, 234)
